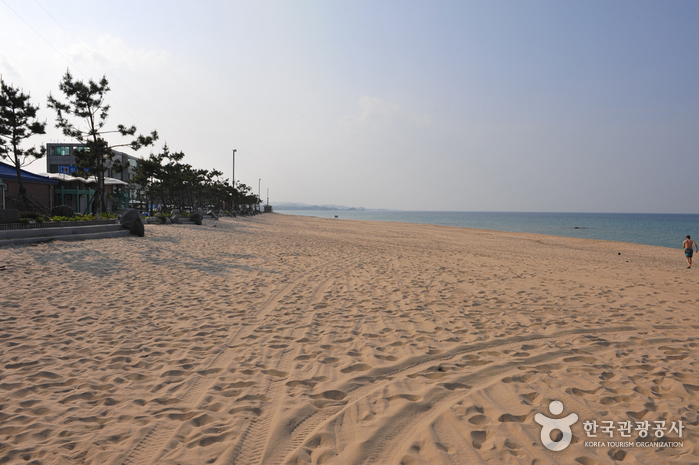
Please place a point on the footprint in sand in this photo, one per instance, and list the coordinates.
(173, 373)
(357, 367)
(531, 397)
(478, 438)
(511, 444)
(331, 395)
(586, 461)
(409, 397)
(455, 386)
(692, 389)
(509, 418)
(478, 420)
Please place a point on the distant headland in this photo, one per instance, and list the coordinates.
(305, 206)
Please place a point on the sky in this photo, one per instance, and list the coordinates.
(542, 106)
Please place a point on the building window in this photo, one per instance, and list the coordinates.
(60, 151)
(53, 168)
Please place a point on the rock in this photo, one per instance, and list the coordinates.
(174, 212)
(175, 218)
(196, 218)
(9, 216)
(62, 210)
(212, 214)
(168, 220)
(131, 220)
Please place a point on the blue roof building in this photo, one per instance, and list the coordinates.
(38, 187)
(8, 172)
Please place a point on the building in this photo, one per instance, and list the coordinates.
(77, 192)
(39, 188)
(60, 158)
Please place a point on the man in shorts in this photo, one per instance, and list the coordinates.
(688, 250)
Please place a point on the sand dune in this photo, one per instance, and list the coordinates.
(291, 340)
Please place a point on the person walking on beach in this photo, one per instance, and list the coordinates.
(688, 250)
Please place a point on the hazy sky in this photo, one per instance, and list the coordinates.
(485, 105)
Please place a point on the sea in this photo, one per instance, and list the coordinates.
(663, 230)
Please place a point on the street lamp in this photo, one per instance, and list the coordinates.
(233, 178)
(235, 198)
(258, 187)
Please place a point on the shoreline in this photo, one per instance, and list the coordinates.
(627, 227)
(493, 231)
(285, 339)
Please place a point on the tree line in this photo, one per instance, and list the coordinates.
(169, 183)
(82, 114)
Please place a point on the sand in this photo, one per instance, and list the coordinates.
(281, 339)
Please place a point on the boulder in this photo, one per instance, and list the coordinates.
(175, 218)
(196, 218)
(174, 212)
(9, 216)
(131, 220)
(212, 214)
(62, 210)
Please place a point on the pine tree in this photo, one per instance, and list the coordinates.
(17, 123)
(86, 103)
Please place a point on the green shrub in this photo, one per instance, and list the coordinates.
(24, 220)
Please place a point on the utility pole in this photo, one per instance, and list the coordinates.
(268, 196)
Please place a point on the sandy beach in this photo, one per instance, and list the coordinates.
(292, 340)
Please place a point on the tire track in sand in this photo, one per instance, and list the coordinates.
(151, 444)
(254, 443)
(439, 400)
(391, 375)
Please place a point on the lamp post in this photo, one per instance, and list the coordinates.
(235, 197)
(258, 193)
(233, 177)
(268, 196)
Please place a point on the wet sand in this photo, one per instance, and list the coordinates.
(281, 339)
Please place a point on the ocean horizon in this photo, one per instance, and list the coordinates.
(658, 229)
